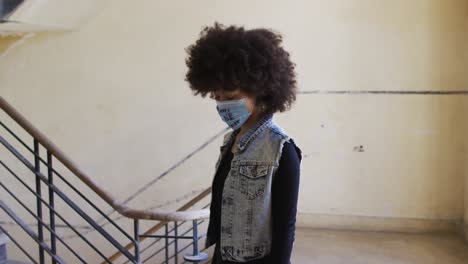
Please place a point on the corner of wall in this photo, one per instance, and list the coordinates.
(8, 43)
(463, 228)
(466, 232)
(465, 218)
(5, 42)
(465, 225)
(465, 221)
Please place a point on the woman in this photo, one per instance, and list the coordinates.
(255, 188)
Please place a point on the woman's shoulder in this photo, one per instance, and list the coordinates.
(288, 140)
(291, 151)
(278, 131)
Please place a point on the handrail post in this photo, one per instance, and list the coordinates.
(195, 237)
(37, 169)
(50, 175)
(197, 255)
(166, 248)
(176, 250)
(137, 241)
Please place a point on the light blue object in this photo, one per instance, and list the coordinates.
(196, 258)
(234, 113)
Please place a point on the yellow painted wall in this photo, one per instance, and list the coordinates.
(112, 95)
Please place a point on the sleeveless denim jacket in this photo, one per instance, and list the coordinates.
(246, 224)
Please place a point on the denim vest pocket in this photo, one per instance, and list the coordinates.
(229, 253)
(253, 180)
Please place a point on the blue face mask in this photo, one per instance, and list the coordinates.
(233, 112)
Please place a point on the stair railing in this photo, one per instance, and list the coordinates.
(46, 175)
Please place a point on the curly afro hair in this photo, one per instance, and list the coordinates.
(230, 58)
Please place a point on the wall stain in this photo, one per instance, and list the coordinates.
(359, 148)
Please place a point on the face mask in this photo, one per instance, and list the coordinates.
(234, 112)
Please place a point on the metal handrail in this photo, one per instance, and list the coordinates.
(67, 223)
(154, 214)
(67, 200)
(161, 224)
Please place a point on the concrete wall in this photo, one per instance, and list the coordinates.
(112, 96)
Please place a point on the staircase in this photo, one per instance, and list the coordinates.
(53, 212)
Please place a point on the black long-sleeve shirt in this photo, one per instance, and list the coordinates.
(285, 189)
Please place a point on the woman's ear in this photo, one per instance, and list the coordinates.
(251, 105)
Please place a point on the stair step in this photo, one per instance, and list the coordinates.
(12, 262)
(3, 252)
(3, 238)
(27, 229)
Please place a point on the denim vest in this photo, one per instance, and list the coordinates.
(246, 224)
